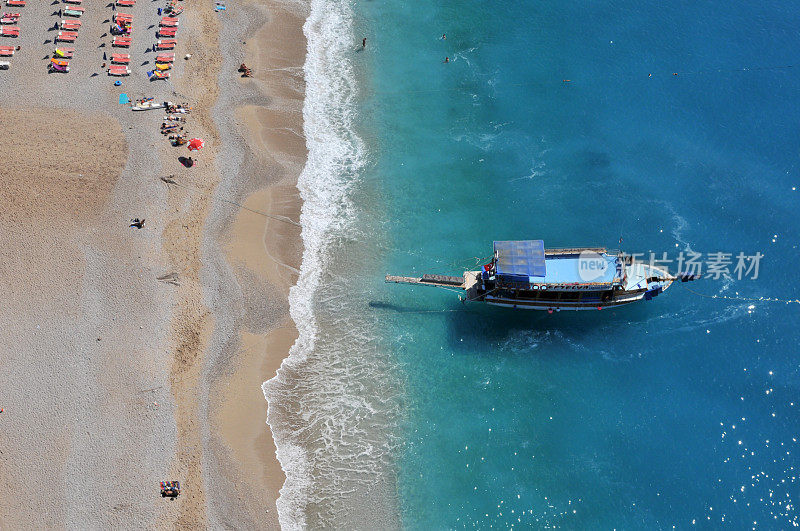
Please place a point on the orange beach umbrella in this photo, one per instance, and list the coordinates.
(195, 144)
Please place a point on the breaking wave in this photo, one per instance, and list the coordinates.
(326, 410)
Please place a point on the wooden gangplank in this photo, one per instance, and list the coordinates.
(441, 281)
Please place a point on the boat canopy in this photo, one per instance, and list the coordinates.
(524, 259)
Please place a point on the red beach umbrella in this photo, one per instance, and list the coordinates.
(195, 144)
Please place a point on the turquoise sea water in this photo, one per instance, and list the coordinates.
(680, 411)
(613, 419)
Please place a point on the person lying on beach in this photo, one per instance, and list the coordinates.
(138, 223)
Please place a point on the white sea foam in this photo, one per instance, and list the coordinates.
(335, 156)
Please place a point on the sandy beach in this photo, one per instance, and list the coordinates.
(134, 356)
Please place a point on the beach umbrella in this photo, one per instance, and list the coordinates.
(195, 144)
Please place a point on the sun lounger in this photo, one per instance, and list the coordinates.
(166, 44)
(58, 68)
(76, 2)
(66, 36)
(6, 51)
(119, 18)
(9, 31)
(126, 3)
(4, 65)
(71, 24)
(165, 57)
(121, 58)
(9, 18)
(163, 66)
(15, 3)
(160, 75)
(169, 22)
(123, 42)
(64, 52)
(166, 32)
(119, 70)
(59, 62)
(73, 12)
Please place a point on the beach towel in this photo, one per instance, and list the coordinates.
(64, 52)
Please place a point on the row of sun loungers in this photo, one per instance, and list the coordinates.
(69, 33)
(8, 28)
(122, 39)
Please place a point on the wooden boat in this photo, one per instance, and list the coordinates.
(523, 274)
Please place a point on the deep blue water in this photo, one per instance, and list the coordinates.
(626, 419)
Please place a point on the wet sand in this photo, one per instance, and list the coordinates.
(261, 120)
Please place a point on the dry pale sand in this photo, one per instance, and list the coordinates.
(112, 380)
(86, 428)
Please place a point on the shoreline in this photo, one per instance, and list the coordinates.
(256, 248)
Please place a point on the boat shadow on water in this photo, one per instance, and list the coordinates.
(477, 326)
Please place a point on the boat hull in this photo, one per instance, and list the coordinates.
(518, 304)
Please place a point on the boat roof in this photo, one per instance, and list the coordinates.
(598, 268)
(526, 261)
(523, 257)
